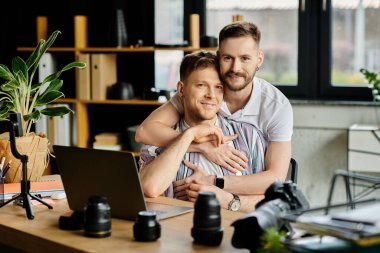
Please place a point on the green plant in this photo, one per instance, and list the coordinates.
(373, 83)
(272, 242)
(18, 94)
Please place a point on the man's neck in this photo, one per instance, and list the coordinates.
(236, 100)
(194, 122)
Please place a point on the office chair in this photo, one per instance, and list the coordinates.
(292, 171)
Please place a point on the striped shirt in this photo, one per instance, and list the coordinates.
(249, 141)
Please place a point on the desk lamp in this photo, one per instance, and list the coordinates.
(14, 127)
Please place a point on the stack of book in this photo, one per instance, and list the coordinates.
(108, 141)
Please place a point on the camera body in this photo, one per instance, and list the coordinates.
(281, 198)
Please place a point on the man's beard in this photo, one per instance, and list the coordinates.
(248, 80)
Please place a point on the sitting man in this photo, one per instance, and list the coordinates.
(183, 175)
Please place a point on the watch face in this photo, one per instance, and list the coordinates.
(235, 205)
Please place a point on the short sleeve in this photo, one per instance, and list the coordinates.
(147, 154)
(281, 125)
(177, 102)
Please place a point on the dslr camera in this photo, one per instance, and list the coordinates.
(281, 198)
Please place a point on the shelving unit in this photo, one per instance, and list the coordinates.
(82, 106)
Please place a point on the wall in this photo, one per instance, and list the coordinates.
(320, 141)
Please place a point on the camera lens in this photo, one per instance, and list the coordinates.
(97, 217)
(146, 227)
(207, 220)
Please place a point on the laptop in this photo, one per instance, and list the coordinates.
(87, 172)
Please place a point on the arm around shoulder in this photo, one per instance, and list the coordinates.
(156, 129)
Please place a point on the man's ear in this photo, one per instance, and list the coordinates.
(261, 59)
(180, 88)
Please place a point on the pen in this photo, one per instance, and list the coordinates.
(2, 163)
(6, 169)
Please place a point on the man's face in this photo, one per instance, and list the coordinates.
(239, 58)
(202, 95)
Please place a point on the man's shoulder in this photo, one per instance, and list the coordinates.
(270, 95)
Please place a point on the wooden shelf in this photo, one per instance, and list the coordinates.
(67, 100)
(109, 101)
(123, 102)
(117, 50)
(52, 49)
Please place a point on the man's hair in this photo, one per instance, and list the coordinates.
(197, 60)
(240, 29)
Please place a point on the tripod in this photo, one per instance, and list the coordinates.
(12, 126)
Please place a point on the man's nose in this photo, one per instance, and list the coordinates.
(210, 92)
(236, 65)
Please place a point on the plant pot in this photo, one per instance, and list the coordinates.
(35, 147)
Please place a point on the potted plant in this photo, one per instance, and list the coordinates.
(374, 84)
(20, 94)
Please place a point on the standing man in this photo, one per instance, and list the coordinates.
(246, 99)
(181, 174)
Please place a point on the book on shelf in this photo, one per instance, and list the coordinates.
(47, 66)
(107, 141)
(103, 74)
(59, 129)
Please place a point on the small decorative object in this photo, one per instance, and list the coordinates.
(374, 84)
(118, 30)
(19, 94)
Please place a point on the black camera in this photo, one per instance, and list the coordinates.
(207, 228)
(281, 198)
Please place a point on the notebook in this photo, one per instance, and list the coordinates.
(113, 174)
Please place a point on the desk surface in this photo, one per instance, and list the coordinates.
(43, 235)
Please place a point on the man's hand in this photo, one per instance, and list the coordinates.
(225, 156)
(180, 186)
(195, 188)
(202, 133)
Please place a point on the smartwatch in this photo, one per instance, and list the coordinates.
(234, 205)
(219, 182)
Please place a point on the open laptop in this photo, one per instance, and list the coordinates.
(113, 174)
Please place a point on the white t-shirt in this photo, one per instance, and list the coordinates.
(267, 109)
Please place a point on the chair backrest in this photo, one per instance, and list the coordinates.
(292, 171)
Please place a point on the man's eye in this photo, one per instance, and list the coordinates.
(245, 59)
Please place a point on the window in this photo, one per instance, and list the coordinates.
(355, 40)
(278, 23)
(168, 32)
(313, 49)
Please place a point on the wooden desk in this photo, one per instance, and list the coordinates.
(43, 235)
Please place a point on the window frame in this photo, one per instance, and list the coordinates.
(314, 77)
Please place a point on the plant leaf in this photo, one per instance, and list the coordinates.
(19, 66)
(5, 73)
(35, 116)
(48, 98)
(50, 41)
(54, 85)
(55, 75)
(56, 111)
(35, 55)
(10, 86)
(74, 65)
